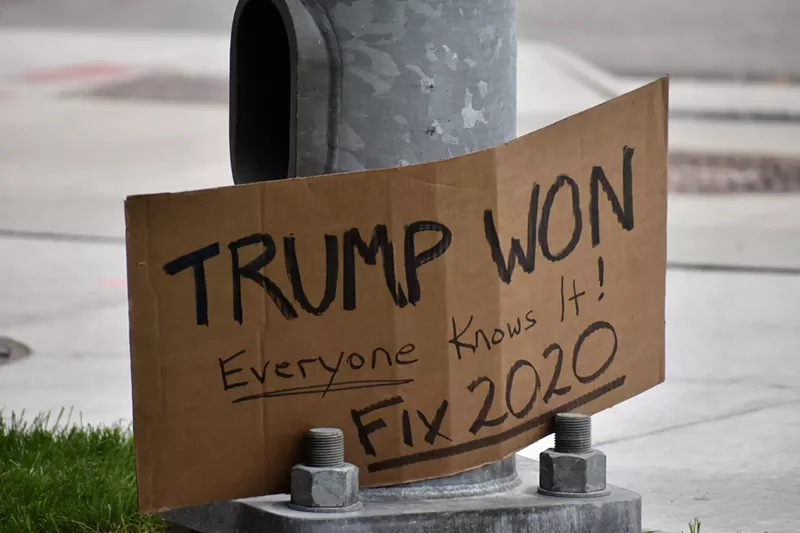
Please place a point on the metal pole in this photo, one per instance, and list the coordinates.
(322, 86)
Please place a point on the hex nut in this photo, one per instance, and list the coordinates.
(317, 488)
(572, 473)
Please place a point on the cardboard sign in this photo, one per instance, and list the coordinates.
(438, 314)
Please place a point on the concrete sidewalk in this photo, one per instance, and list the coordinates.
(55, 142)
(553, 84)
(717, 441)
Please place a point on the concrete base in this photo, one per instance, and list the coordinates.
(519, 510)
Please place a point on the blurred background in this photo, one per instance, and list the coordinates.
(100, 99)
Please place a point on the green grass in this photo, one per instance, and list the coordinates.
(68, 478)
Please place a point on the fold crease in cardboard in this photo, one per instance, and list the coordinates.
(438, 314)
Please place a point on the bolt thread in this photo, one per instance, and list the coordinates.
(325, 447)
(573, 433)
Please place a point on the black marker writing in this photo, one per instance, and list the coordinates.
(600, 275)
(331, 374)
(465, 339)
(575, 297)
(261, 377)
(196, 261)
(225, 373)
(415, 260)
(331, 274)
(577, 220)
(379, 242)
(624, 211)
(364, 431)
(588, 332)
(279, 370)
(434, 426)
(252, 272)
(492, 440)
(527, 259)
(481, 420)
(554, 389)
(408, 438)
(332, 370)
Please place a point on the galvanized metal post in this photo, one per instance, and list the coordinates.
(321, 86)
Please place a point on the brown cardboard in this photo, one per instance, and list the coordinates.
(207, 429)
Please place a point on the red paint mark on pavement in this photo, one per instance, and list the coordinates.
(74, 73)
(112, 283)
